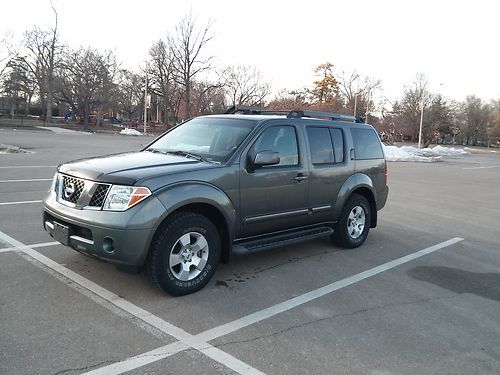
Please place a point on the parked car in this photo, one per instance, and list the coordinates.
(241, 182)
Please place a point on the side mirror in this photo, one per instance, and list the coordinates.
(266, 158)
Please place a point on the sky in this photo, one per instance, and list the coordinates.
(454, 43)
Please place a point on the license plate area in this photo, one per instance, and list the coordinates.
(61, 233)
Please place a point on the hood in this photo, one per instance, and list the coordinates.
(128, 168)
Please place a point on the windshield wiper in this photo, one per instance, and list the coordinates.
(190, 155)
(155, 150)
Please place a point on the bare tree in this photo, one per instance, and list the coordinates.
(494, 128)
(131, 93)
(408, 109)
(358, 92)
(87, 81)
(476, 116)
(7, 52)
(161, 77)
(244, 86)
(44, 56)
(186, 46)
(289, 99)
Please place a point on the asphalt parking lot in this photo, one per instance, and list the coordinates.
(422, 295)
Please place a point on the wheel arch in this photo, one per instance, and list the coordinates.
(361, 184)
(206, 200)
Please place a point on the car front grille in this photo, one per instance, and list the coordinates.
(72, 189)
(99, 195)
(80, 193)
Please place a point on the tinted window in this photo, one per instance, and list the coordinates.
(281, 139)
(366, 144)
(338, 144)
(321, 145)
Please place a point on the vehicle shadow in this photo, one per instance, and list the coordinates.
(485, 285)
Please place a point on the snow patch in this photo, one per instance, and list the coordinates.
(63, 130)
(424, 155)
(128, 131)
(8, 149)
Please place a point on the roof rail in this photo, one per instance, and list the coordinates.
(295, 113)
(247, 110)
(243, 109)
(331, 116)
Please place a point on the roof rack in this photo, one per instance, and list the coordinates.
(331, 116)
(295, 113)
(247, 110)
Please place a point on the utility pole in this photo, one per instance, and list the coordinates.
(421, 120)
(146, 100)
(355, 103)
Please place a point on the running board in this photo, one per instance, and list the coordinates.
(282, 239)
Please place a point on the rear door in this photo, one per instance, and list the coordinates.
(329, 168)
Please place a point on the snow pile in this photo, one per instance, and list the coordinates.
(449, 151)
(426, 155)
(128, 131)
(8, 149)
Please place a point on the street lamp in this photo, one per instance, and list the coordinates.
(421, 120)
(146, 99)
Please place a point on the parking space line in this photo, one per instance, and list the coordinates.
(30, 180)
(269, 312)
(134, 310)
(492, 166)
(28, 166)
(317, 293)
(20, 202)
(34, 246)
(141, 360)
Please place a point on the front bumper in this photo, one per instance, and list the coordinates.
(117, 237)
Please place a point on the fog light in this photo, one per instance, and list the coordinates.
(108, 245)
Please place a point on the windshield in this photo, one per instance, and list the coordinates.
(213, 139)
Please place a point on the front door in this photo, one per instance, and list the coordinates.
(274, 197)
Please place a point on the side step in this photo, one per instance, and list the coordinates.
(281, 239)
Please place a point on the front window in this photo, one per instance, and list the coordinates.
(212, 138)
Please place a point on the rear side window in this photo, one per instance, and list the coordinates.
(321, 145)
(366, 144)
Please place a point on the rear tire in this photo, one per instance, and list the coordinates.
(354, 224)
(184, 254)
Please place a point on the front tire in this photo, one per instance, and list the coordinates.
(184, 254)
(354, 224)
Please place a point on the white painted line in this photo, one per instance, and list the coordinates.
(493, 166)
(31, 180)
(28, 166)
(20, 202)
(34, 246)
(151, 319)
(258, 316)
(317, 293)
(141, 359)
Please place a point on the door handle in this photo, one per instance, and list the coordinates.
(300, 177)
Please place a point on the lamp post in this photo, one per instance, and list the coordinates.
(355, 103)
(421, 120)
(146, 99)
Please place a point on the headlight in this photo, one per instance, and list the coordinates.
(121, 198)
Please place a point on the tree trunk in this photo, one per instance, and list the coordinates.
(187, 102)
(49, 104)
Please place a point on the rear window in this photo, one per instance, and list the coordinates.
(327, 145)
(366, 144)
(321, 145)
